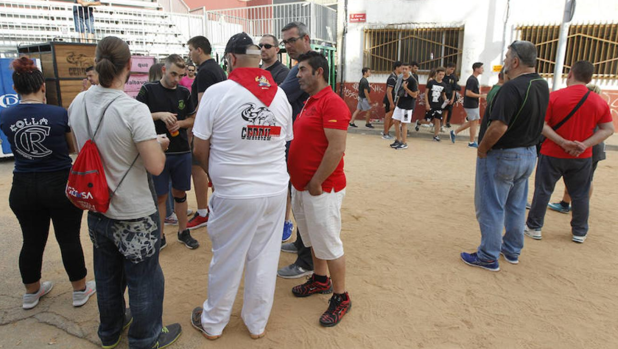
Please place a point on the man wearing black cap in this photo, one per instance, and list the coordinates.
(240, 131)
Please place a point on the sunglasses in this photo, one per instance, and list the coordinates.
(267, 46)
(291, 40)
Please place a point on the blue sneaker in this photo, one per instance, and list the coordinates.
(510, 258)
(452, 135)
(473, 260)
(473, 145)
(288, 227)
(559, 208)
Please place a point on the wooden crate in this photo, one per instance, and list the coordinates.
(64, 68)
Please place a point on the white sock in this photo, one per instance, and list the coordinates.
(202, 212)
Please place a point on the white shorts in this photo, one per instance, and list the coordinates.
(403, 115)
(319, 222)
(472, 114)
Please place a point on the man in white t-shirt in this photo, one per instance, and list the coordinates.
(240, 132)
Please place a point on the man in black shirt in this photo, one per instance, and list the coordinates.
(402, 115)
(173, 112)
(208, 74)
(434, 103)
(269, 46)
(364, 101)
(389, 98)
(450, 79)
(510, 131)
(471, 105)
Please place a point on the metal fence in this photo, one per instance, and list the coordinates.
(270, 19)
(597, 43)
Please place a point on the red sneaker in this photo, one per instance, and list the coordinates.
(339, 305)
(312, 287)
(197, 221)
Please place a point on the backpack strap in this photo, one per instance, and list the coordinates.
(563, 121)
(123, 177)
(90, 134)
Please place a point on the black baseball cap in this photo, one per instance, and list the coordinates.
(239, 43)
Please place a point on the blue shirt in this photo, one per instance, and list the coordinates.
(37, 134)
(296, 96)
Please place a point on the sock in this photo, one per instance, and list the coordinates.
(320, 278)
(564, 204)
(202, 212)
(344, 296)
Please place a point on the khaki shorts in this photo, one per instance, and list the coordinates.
(319, 222)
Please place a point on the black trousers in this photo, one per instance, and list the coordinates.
(304, 259)
(37, 198)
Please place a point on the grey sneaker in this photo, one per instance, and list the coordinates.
(533, 233)
(579, 239)
(293, 271)
(289, 248)
(169, 335)
(81, 297)
(32, 299)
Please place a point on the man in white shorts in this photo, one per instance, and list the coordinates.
(315, 164)
(471, 105)
(240, 130)
(404, 110)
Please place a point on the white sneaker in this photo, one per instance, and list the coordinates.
(532, 233)
(81, 297)
(32, 299)
(579, 239)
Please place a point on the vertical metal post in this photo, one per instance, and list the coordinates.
(569, 10)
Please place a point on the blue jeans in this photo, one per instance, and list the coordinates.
(500, 197)
(126, 253)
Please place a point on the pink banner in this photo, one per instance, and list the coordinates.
(141, 64)
(135, 82)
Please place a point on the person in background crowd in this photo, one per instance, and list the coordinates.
(269, 46)
(41, 141)
(364, 101)
(92, 78)
(389, 100)
(472, 96)
(155, 73)
(187, 80)
(208, 74)
(450, 79)
(404, 110)
(434, 102)
(126, 238)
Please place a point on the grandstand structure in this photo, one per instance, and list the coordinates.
(144, 24)
(151, 29)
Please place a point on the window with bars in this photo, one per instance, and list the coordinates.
(596, 43)
(430, 47)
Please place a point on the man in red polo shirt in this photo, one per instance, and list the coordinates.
(567, 151)
(315, 165)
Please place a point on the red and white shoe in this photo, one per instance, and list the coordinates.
(197, 221)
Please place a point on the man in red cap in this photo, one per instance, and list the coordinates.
(240, 132)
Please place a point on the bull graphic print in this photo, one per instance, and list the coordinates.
(262, 123)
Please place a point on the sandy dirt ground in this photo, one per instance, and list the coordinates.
(406, 217)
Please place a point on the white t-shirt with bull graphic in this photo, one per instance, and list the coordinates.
(247, 140)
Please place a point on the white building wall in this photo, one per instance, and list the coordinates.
(483, 22)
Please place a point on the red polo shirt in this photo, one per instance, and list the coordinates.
(323, 110)
(581, 125)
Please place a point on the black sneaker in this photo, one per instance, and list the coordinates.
(436, 138)
(369, 126)
(402, 146)
(395, 144)
(418, 125)
(312, 286)
(169, 335)
(128, 320)
(163, 243)
(448, 125)
(186, 238)
(352, 125)
(339, 305)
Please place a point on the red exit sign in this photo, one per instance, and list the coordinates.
(358, 17)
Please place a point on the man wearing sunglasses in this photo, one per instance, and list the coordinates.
(269, 47)
(188, 79)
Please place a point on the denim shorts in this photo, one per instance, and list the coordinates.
(178, 170)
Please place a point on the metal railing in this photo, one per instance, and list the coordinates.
(147, 31)
(270, 19)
